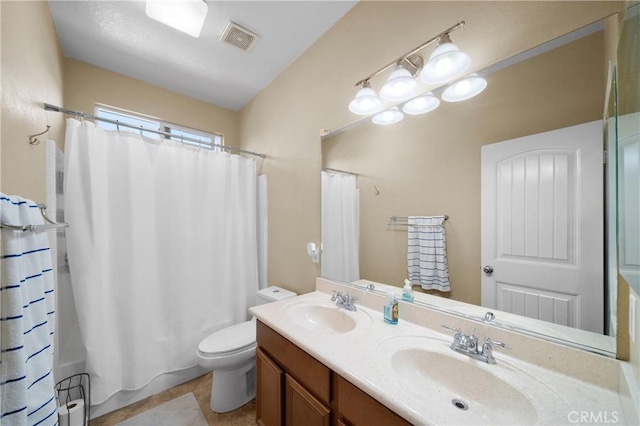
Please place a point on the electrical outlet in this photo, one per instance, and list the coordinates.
(633, 318)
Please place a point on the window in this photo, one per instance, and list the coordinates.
(141, 123)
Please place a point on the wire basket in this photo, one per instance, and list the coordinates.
(69, 392)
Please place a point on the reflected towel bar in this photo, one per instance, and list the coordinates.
(402, 220)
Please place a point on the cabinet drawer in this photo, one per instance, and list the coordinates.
(360, 409)
(308, 371)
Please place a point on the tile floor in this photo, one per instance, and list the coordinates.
(201, 388)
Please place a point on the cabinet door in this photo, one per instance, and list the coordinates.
(303, 409)
(269, 401)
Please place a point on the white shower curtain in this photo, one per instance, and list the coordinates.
(162, 250)
(340, 227)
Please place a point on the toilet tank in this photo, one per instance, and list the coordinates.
(273, 294)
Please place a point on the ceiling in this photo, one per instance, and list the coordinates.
(118, 36)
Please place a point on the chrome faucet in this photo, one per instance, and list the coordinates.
(468, 345)
(345, 300)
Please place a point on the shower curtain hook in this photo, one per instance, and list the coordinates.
(182, 141)
(141, 132)
(117, 126)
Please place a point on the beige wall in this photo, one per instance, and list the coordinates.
(32, 73)
(284, 120)
(85, 85)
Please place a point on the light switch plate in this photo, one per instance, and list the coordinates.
(633, 318)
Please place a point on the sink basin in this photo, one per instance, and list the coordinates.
(323, 317)
(464, 391)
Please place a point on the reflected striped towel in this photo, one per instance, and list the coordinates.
(27, 319)
(427, 253)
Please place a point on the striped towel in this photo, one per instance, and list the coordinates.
(427, 253)
(27, 388)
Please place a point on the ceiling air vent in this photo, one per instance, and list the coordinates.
(239, 37)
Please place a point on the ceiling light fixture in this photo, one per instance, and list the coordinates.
(464, 89)
(446, 63)
(185, 15)
(391, 116)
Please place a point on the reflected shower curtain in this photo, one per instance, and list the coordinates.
(162, 251)
(340, 227)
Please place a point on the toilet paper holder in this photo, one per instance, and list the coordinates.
(73, 395)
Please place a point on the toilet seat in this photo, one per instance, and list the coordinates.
(230, 340)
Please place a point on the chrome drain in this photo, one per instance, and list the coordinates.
(458, 403)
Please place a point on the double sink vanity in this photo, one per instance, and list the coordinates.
(319, 363)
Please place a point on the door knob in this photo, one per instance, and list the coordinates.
(488, 269)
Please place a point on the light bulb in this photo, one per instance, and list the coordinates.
(399, 86)
(421, 104)
(464, 89)
(445, 63)
(444, 66)
(390, 116)
(366, 102)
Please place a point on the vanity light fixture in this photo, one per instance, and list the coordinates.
(391, 116)
(184, 15)
(421, 104)
(464, 89)
(366, 102)
(446, 63)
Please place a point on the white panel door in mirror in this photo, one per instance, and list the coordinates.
(542, 227)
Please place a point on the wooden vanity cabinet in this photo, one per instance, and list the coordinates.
(295, 389)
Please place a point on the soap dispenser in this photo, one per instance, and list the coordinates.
(407, 292)
(391, 309)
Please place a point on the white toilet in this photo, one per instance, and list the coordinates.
(231, 354)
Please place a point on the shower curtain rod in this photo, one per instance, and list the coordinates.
(329, 169)
(49, 107)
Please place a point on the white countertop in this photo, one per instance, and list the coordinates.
(362, 355)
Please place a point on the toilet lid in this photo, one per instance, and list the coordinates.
(230, 339)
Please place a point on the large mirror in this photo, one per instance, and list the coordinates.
(628, 149)
(431, 165)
